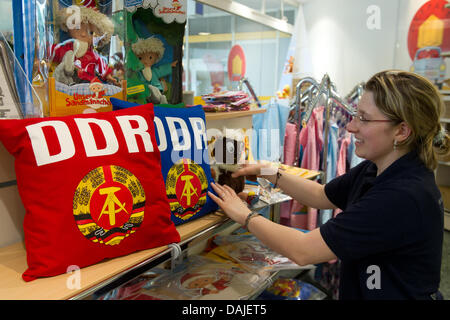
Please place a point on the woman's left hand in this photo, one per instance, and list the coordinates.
(230, 202)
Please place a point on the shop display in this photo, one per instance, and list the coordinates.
(181, 133)
(76, 64)
(153, 45)
(200, 278)
(291, 289)
(251, 254)
(91, 186)
(227, 101)
(133, 290)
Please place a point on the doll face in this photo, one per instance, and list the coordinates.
(201, 282)
(96, 87)
(148, 59)
(85, 33)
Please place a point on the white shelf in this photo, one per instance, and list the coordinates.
(445, 120)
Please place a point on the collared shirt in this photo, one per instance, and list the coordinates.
(389, 235)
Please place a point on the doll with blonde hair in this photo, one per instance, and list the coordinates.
(78, 61)
(149, 52)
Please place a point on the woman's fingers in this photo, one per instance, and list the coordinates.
(215, 198)
(246, 170)
(220, 190)
(230, 191)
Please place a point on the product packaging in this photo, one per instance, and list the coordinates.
(153, 45)
(79, 56)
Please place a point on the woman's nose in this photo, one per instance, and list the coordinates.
(351, 126)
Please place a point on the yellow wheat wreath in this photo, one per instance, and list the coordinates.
(108, 204)
(186, 187)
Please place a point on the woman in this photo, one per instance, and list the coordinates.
(389, 235)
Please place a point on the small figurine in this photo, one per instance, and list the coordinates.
(290, 65)
(78, 61)
(150, 51)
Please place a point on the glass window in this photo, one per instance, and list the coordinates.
(211, 36)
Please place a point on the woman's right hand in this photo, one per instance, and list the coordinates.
(261, 169)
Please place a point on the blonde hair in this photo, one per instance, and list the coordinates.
(408, 97)
(151, 44)
(100, 21)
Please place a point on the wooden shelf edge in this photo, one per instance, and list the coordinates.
(13, 264)
(231, 114)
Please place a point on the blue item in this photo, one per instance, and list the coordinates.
(269, 130)
(24, 46)
(182, 141)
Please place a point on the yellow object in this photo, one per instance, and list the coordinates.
(431, 32)
(237, 65)
(62, 104)
(285, 93)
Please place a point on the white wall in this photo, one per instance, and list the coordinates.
(343, 46)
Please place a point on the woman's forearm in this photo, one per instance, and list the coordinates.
(305, 191)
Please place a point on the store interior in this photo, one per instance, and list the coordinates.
(247, 63)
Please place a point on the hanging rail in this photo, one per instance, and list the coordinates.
(306, 101)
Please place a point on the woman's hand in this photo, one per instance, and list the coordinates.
(261, 169)
(230, 203)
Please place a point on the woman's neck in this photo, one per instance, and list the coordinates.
(383, 164)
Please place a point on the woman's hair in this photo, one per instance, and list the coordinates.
(408, 97)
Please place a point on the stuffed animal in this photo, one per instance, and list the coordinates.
(227, 154)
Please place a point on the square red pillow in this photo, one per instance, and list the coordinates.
(91, 186)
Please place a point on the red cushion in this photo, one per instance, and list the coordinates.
(91, 185)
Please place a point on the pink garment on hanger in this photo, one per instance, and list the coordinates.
(289, 143)
(290, 135)
(342, 157)
(311, 138)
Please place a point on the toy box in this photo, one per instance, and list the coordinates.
(80, 65)
(153, 50)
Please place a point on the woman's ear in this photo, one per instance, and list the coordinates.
(403, 132)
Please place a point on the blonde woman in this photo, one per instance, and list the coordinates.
(389, 235)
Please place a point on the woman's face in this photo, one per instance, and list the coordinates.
(374, 140)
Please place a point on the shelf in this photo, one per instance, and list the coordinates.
(231, 114)
(13, 263)
(445, 120)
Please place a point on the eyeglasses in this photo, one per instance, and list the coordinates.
(361, 119)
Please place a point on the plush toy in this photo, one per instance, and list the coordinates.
(77, 60)
(150, 51)
(285, 93)
(228, 155)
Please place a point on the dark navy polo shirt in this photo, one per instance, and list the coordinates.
(389, 235)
